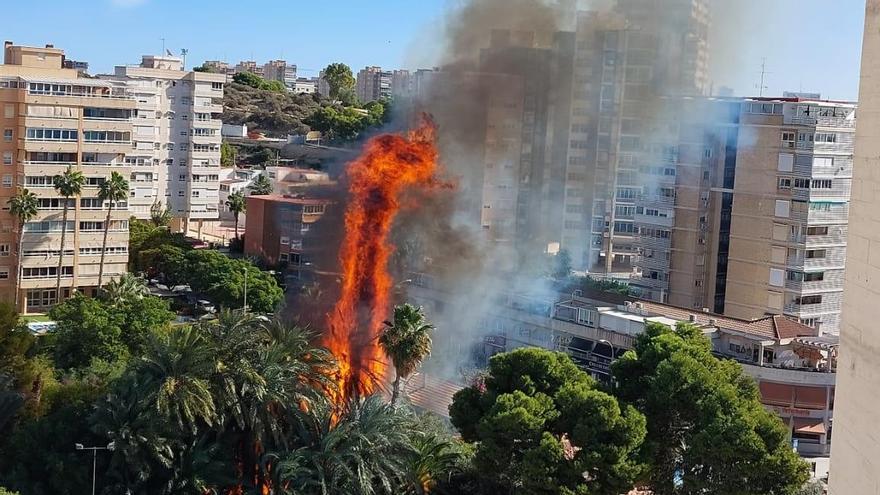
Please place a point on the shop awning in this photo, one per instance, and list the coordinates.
(809, 425)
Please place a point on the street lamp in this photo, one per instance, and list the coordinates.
(110, 446)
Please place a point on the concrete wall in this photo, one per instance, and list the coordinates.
(855, 454)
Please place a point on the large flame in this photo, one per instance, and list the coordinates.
(389, 165)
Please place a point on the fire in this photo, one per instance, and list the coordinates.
(389, 165)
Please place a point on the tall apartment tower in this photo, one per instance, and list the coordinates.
(788, 219)
(175, 155)
(855, 454)
(280, 70)
(373, 84)
(53, 120)
(752, 212)
(626, 64)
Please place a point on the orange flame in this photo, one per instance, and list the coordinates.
(389, 165)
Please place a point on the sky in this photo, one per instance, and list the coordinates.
(807, 45)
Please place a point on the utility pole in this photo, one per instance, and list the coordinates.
(245, 289)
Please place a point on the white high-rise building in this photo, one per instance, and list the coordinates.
(175, 160)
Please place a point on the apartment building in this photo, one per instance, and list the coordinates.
(54, 119)
(175, 155)
(789, 216)
(373, 84)
(249, 66)
(626, 63)
(279, 230)
(280, 70)
(855, 466)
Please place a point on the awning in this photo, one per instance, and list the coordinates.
(809, 426)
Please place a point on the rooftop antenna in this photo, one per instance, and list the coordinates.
(183, 52)
(163, 45)
(764, 73)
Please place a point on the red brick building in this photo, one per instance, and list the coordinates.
(277, 227)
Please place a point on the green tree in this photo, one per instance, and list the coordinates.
(223, 280)
(69, 184)
(24, 207)
(363, 452)
(227, 155)
(261, 185)
(107, 329)
(248, 79)
(406, 340)
(340, 79)
(112, 190)
(125, 289)
(706, 424)
(339, 124)
(543, 427)
(237, 205)
(159, 215)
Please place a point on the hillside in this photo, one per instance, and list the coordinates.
(275, 113)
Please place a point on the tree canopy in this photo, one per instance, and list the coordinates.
(707, 429)
(340, 78)
(542, 426)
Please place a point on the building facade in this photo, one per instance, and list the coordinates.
(280, 70)
(745, 211)
(278, 230)
(856, 452)
(175, 154)
(373, 84)
(53, 120)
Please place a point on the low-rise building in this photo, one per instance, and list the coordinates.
(305, 86)
(794, 367)
(278, 229)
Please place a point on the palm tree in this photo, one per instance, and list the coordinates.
(126, 288)
(23, 206)
(362, 451)
(237, 205)
(261, 186)
(68, 184)
(406, 340)
(113, 190)
(177, 370)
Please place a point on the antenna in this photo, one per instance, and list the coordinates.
(183, 52)
(761, 86)
(163, 46)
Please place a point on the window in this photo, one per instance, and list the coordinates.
(40, 134)
(795, 276)
(785, 162)
(183, 133)
(4, 249)
(788, 139)
(820, 206)
(46, 272)
(817, 230)
(196, 193)
(826, 137)
(7, 180)
(217, 85)
(7, 135)
(54, 203)
(180, 193)
(815, 253)
(783, 183)
(41, 298)
(95, 181)
(4, 272)
(821, 184)
(169, 146)
(181, 177)
(777, 277)
(804, 300)
(91, 226)
(783, 208)
(7, 158)
(814, 277)
(8, 111)
(285, 240)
